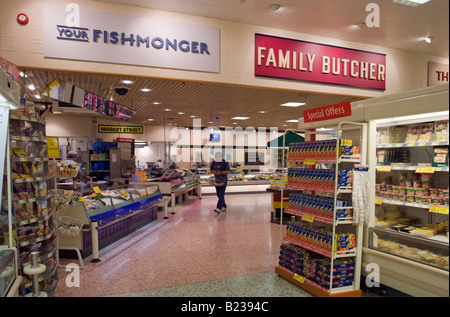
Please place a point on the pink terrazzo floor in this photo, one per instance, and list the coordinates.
(194, 245)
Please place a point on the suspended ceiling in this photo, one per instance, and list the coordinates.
(401, 27)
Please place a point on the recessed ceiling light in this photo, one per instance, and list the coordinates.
(156, 103)
(192, 116)
(31, 87)
(150, 119)
(428, 39)
(411, 3)
(262, 111)
(167, 109)
(127, 81)
(293, 104)
(293, 120)
(361, 25)
(38, 97)
(234, 122)
(145, 89)
(180, 112)
(240, 118)
(275, 7)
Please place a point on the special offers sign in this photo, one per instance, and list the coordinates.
(306, 61)
(339, 110)
(71, 33)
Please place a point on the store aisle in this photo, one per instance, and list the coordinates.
(194, 248)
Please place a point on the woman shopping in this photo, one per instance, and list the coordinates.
(220, 169)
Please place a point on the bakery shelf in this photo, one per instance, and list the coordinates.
(412, 144)
(409, 168)
(405, 203)
(431, 251)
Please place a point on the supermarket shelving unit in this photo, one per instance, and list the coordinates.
(334, 222)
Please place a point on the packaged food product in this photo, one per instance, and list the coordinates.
(417, 183)
(434, 192)
(402, 190)
(395, 189)
(426, 184)
(413, 133)
(417, 199)
(410, 198)
(426, 200)
(383, 135)
(440, 156)
(436, 200)
(419, 192)
(426, 132)
(441, 130)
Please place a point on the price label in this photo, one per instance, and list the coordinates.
(124, 193)
(96, 189)
(378, 201)
(426, 170)
(208, 171)
(83, 200)
(239, 169)
(308, 218)
(309, 161)
(299, 278)
(386, 168)
(439, 209)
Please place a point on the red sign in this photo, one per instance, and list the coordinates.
(127, 140)
(339, 110)
(306, 61)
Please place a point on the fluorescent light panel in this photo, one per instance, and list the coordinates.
(240, 118)
(293, 120)
(293, 104)
(411, 3)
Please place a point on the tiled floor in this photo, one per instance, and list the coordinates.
(218, 255)
(195, 252)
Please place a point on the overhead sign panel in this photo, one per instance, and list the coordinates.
(113, 38)
(312, 62)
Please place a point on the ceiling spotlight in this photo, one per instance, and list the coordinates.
(275, 7)
(428, 39)
(145, 89)
(127, 82)
(150, 119)
(31, 87)
(411, 3)
(361, 25)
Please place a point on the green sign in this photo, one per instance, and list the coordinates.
(129, 129)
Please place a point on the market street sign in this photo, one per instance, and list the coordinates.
(129, 129)
(284, 58)
(131, 40)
